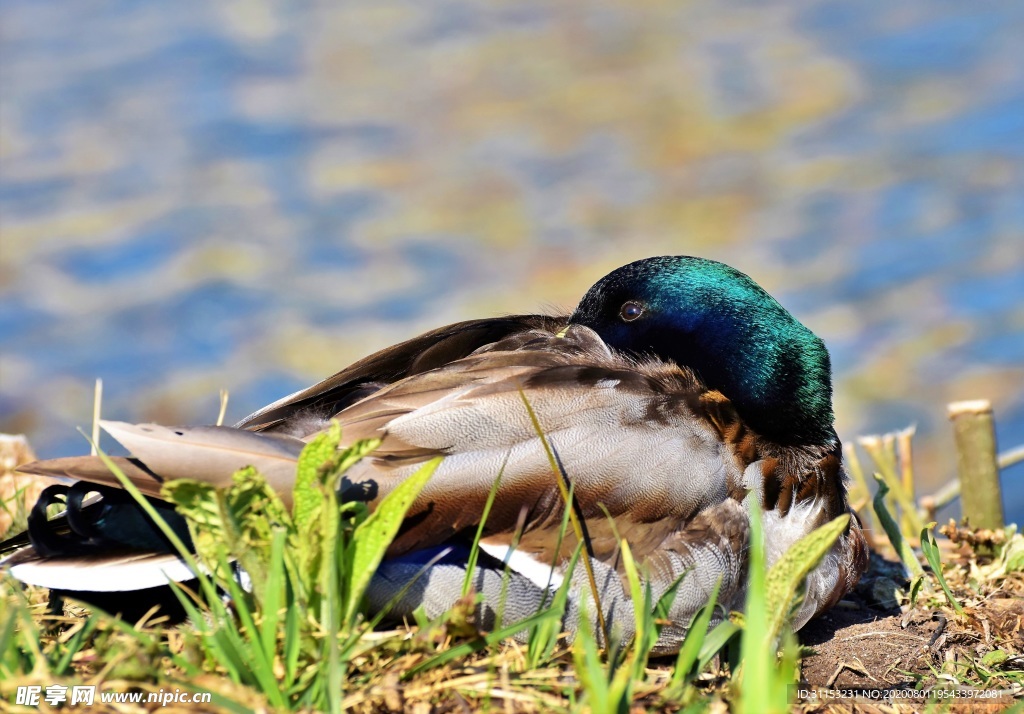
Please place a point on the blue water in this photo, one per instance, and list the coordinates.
(196, 195)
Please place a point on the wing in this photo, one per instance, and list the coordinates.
(643, 447)
(635, 441)
(420, 354)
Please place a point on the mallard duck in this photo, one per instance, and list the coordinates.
(676, 390)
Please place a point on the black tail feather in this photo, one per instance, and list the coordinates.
(93, 525)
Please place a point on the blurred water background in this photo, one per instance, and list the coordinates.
(250, 195)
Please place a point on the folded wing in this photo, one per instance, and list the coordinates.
(295, 413)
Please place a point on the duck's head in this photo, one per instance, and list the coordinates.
(714, 319)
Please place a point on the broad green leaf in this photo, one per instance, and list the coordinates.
(994, 658)
(246, 525)
(319, 464)
(307, 496)
(195, 500)
(231, 523)
(1013, 553)
(788, 573)
(347, 458)
(198, 503)
(373, 536)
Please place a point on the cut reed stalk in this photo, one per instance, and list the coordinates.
(977, 466)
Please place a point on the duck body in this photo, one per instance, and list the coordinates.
(662, 429)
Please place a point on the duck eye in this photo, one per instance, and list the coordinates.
(631, 311)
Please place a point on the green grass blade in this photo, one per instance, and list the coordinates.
(477, 644)
(592, 673)
(882, 452)
(695, 637)
(74, 644)
(718, 638)
(222, 643)
(260, 660)
(931, 553)
(644, 635)
(637, 593)
(8, 635)
(755, 688)
(292, 643)
(545, 635)
(333, 565)
(467, 582)
(892, 530)
(561, 479)
(762, 690)
(274, 592)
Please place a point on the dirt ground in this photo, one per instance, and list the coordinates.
(867, 644)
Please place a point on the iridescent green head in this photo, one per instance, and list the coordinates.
(714, 319)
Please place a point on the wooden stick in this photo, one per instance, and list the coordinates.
(974, 429)
(1011, 457)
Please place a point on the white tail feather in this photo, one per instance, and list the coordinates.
(110, 573)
